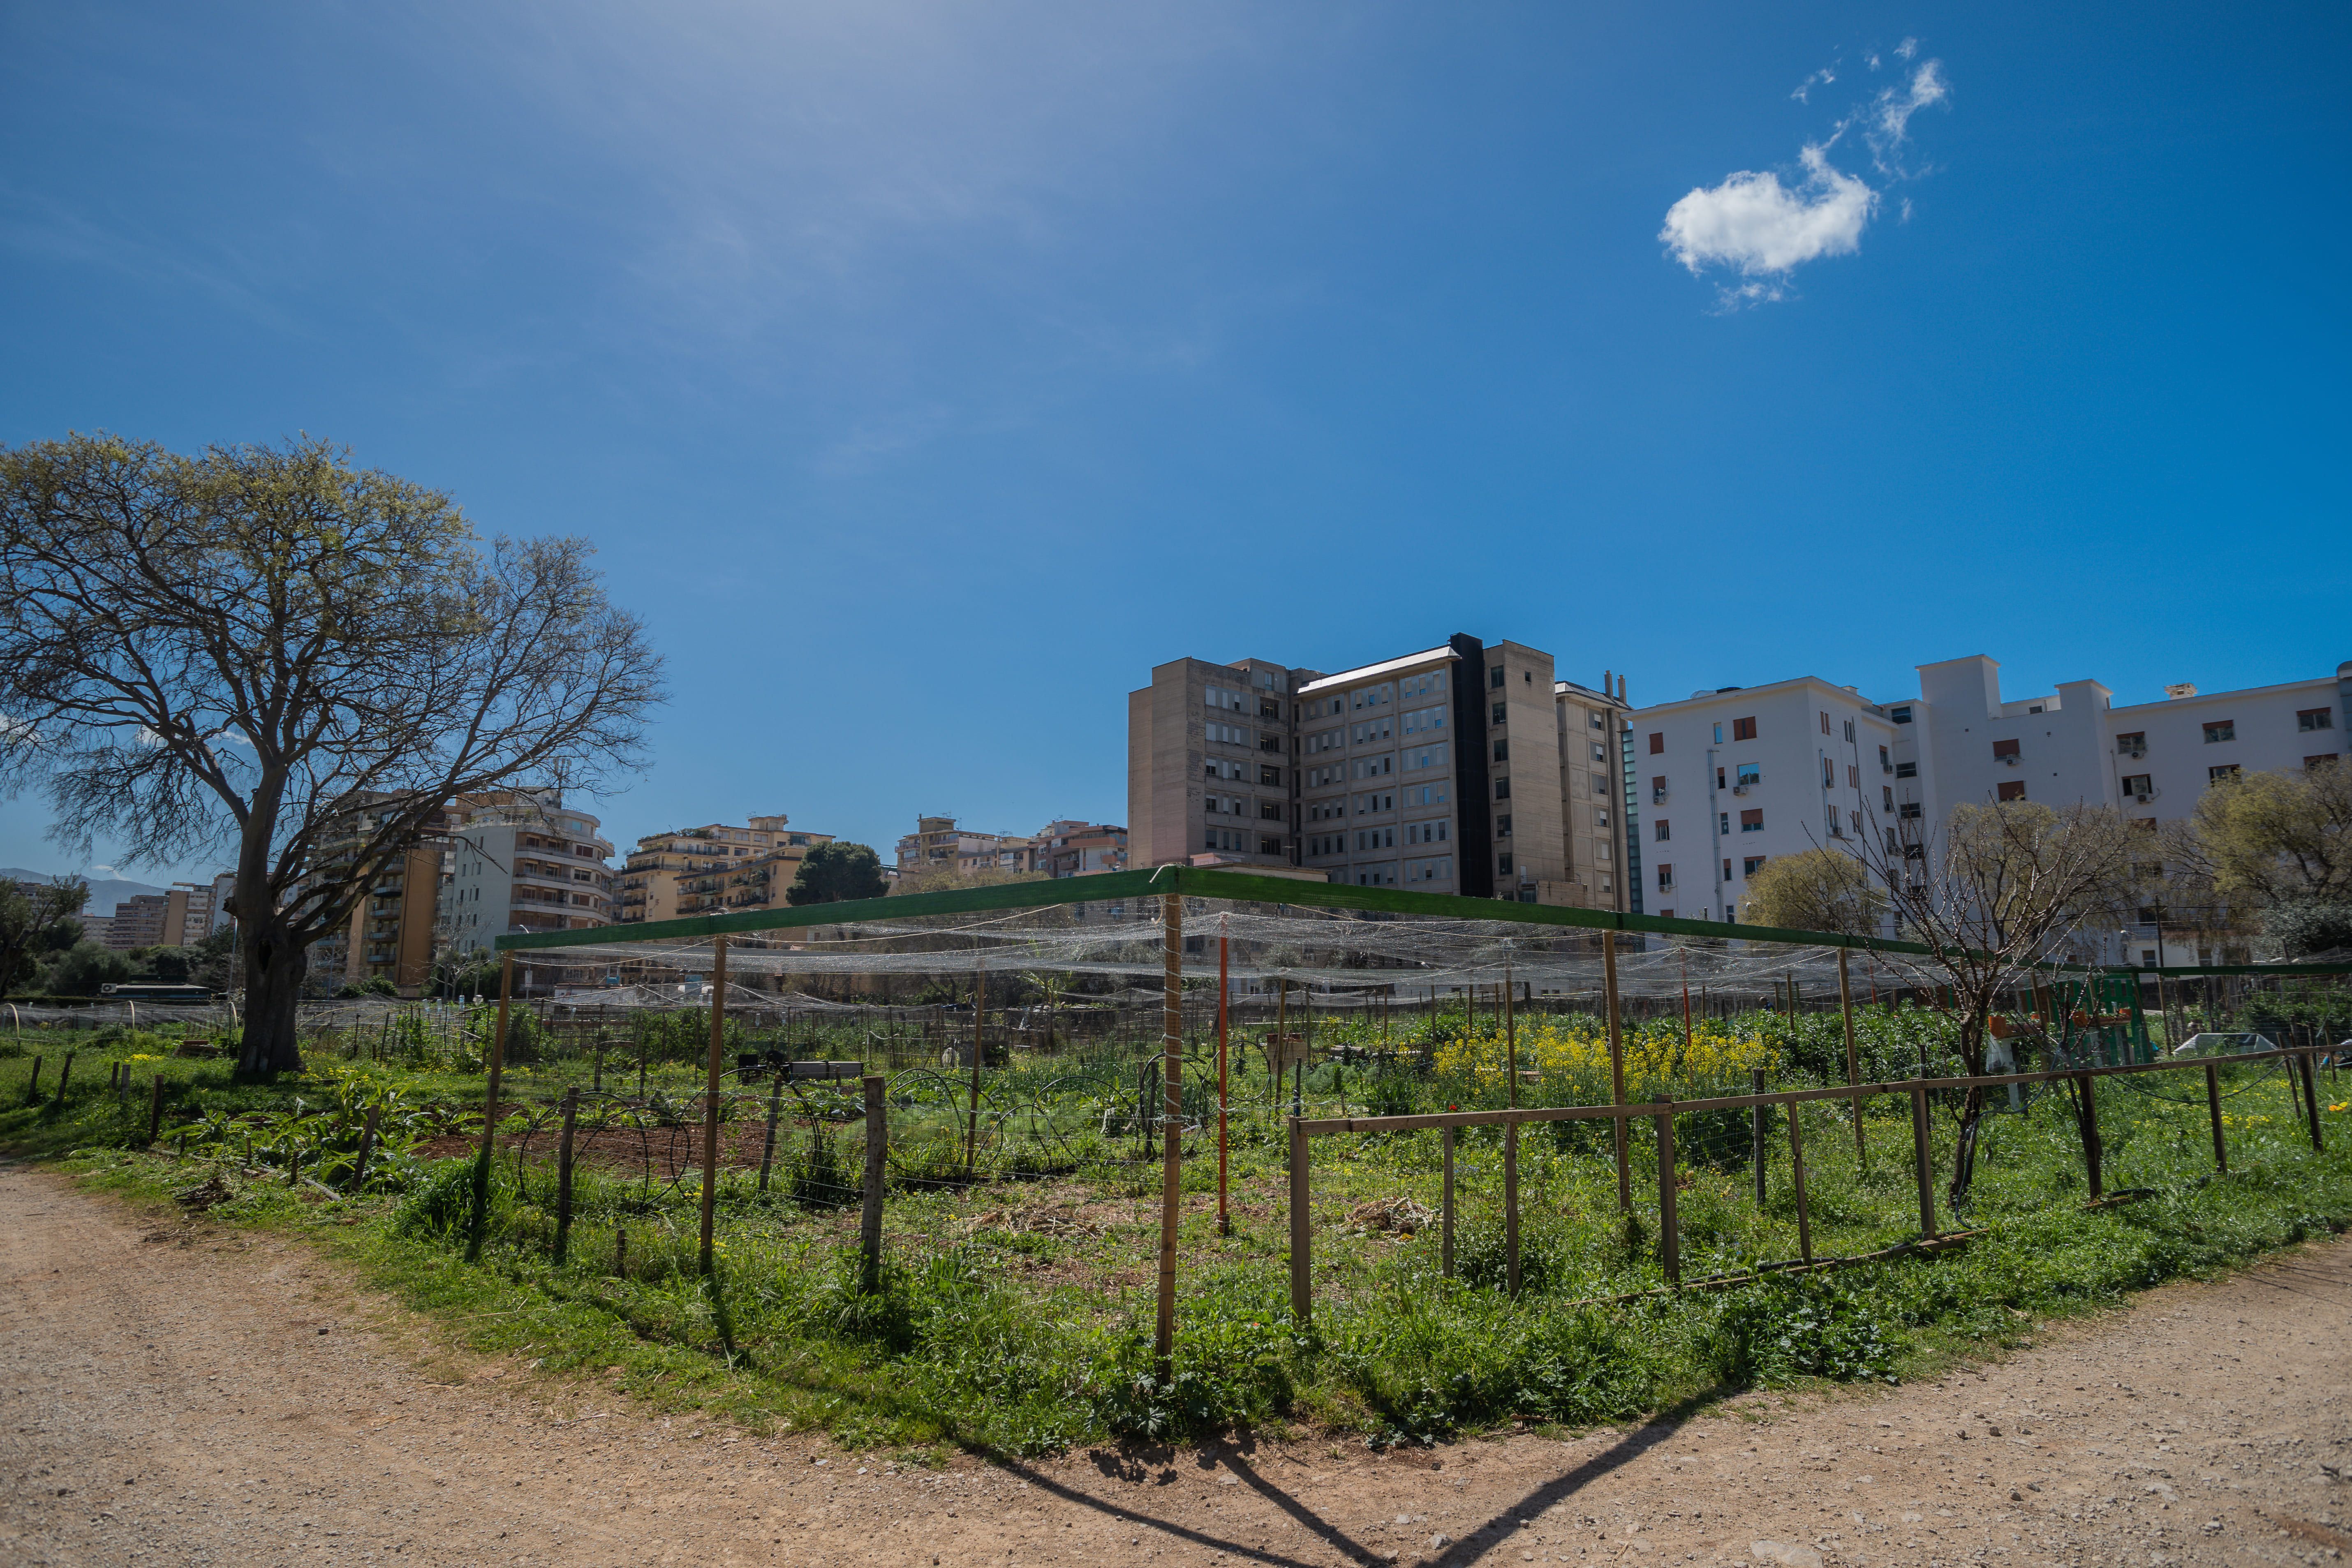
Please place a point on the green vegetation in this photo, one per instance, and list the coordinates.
(1014, 1314)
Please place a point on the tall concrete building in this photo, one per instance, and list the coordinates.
(714, 868)
(181, 917)
(1463, 768)
(522, 861)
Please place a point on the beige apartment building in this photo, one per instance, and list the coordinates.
(181, 917)
(714, 868)
(1063, 847)
(521, 861)
(1463, 768)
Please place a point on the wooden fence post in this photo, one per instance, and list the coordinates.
(2093, 1156)
(775, 1110)
(710, 1099)
(2213, 1109)
(1511, 1208)
(154, 1105)
(564, 1174)
(1759, 1117)
(33, 1085)
(1922, 1162)
(1447, 1232)
(1853, 1061)
(1302, 1281)
(1171, 1135)
(1616, 1070)
(1670, 1240)
(877, 1149)
(65, 1072)
(1796, 1179)
(367, 1147)
(477, 1221)
(2310, 1099)
(1225, 989)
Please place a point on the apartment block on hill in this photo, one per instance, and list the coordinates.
(714, 868)
(1064, 847)
(1463, 768)
(182, 916)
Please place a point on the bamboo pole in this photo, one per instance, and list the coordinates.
(478, 1221)
(1616, 1070)
(1853, 1059)
(710, 1099)
(1225, 989)
(1171, 1141)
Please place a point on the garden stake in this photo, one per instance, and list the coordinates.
(869, 1222)
(1796, 1179)
(1171, 1138)
(367, 1147)
(1302, 1286)
(2213, 1106)
(1225, 988)
(775, 1110)
(480, 1215)
(1616, 1071)
(65, 1071)
(1923, 1162)
(1670, 1244)
(33, 1085)
(1446, 1140)
(2310, 1099)
(563, 1176)
(710, 1098)
(2093, 1156)
(1853, 1066)
(621, 1252)
(1511, 1207)
(1759, 1117)
(154, 1105)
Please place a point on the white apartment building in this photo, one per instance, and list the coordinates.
(1735, 776)
(522, 863)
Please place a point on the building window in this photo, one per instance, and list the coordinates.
(1503, 825)
(1270, 810)
(1269, 776)
(1829, 773)
(2133, 744)
(1497, 714)
(2003, 749)
(1909, 811)
(1657, 741)
(1229, 701)
(1849, 730)
(1719, 734)
(1751, 822)
(1836, 828)
(1502, 751)
(1899, 715)
(1421, 719)
(1438, 870)
(1495, 678)
(1503, 862)
(1743, 729)
(1751, 775)
(1665, 879)
(1663, 830)
(2226, 771)
(1600, 752)
(1907, 770)
(1228, 734)
(2227, 730)
(2140, 785)
(2324, 759)
(1502, 789)
(2307, 719)
(1825, 721)
(1723, 822)
(1888, 792)
(1751, 865)
(1434, 832)
(1657, 788)
(2013, 790)
(1727, 869)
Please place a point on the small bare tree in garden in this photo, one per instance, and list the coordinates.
(268, 651)
(2003, 888)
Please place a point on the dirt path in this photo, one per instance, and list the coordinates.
(176, 1394)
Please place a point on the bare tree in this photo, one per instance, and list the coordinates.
(269, 651)
(2001, 889)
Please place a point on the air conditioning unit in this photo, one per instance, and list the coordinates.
(2010, 760)
(2132, 751)
(1739, 789)
(1658, 797)
(2144, 799)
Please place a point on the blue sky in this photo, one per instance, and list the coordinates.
(924, 374)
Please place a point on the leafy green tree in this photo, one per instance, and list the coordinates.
(269, 651)
(1815, 889)
(835, 872)
(164, 965)
(85, 968)
(36, 923)
(2270, 846)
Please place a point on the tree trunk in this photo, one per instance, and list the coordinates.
(275, 967)
(1973, 1108)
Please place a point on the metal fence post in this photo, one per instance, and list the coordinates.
(2213, 1109)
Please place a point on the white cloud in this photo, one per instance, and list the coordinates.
(1907, 48)
(1822, 78)
(1886, 123)
(1763, 228)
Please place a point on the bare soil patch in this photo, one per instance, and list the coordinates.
(178, 1393)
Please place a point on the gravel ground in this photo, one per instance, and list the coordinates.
(179, 1393)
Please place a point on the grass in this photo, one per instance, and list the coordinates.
(1015, 1315)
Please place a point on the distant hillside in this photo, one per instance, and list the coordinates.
(103, 894)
